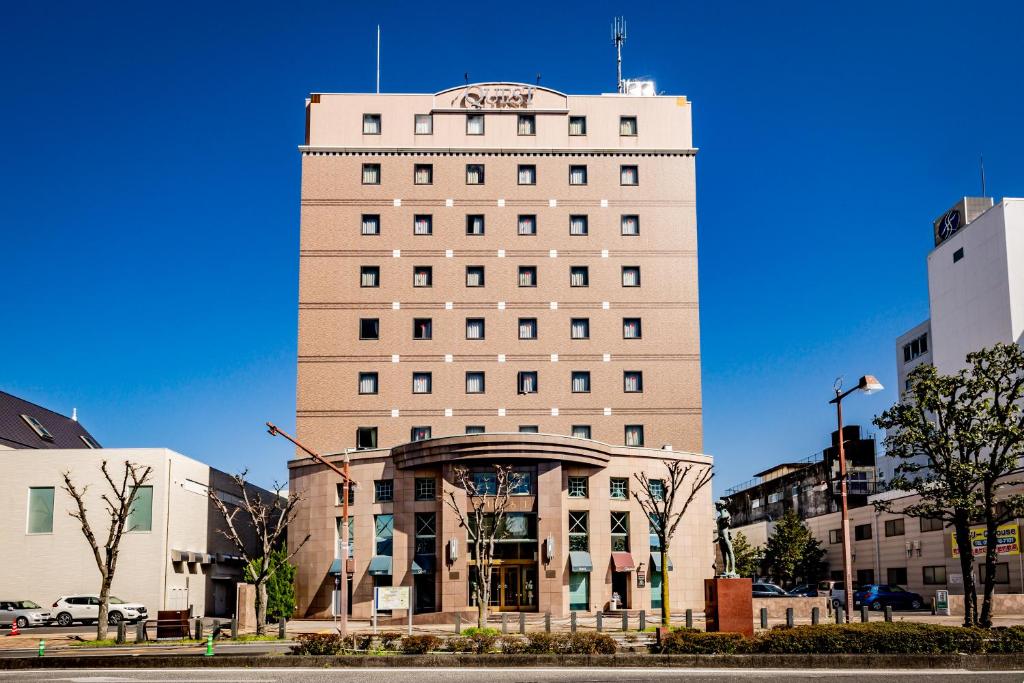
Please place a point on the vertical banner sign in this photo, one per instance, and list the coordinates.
(942, 602)
(1007, 540)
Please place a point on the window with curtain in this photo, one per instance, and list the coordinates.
(140, 517)
(423, 174)
(527, 174)
(371, 174)
(366, 437)
(632, 381)
(369, 328)
(474, 276)
(629, 175)
(527, 382)
(40, 510)
(581, 432)
(367, 382)
(620, 532)
(527, 225)
(527, 328)
(422, 276)
(577, 175)
(423, 224)
(369, 276)
(474, 124)
(419, 433)
(634, 435)
(631, 328)
(422, 328)
(527, 276)
(371, 124)
(630, 225)
(474, 328)
(630, 276)
(421, 382)
(424, 124)
(577, 125)
(580, 382)
(474, 382)
(474, 224)
(579, 276)
(474, 174)
(627, 125)
(527, 124)
(578, 225)
(529, 429)
(579, 328)
(370, 224)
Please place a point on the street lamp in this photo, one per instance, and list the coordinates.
(869, 385)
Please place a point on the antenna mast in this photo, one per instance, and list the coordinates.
(981, 162)
(378, 59)
(618, 38)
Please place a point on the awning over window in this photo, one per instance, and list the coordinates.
(380, 565)
(179, 556)
(423, 564)
(579, 561)
(623, 562)
(656, 562)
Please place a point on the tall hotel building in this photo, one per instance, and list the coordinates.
(498, 273)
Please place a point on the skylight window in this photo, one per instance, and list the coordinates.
(38, 427)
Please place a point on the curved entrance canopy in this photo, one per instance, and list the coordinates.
(497, 447)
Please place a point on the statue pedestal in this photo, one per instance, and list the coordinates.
(729, 605)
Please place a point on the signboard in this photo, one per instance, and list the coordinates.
(497, 97)
(942, 602)
(391, 597)
(1007, 540)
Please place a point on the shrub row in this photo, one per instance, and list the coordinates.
(475, 641)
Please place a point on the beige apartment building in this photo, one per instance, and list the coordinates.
(498, 271)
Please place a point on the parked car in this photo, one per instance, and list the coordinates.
(807, 590)
(835, 590)
(879, 595)
(24, 613)
(86, 609)
(768, 590)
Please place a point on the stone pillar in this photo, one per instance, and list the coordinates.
(552, 520)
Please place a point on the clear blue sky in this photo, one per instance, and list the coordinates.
(149, 201)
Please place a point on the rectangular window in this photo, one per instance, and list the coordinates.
(862, 532)
(475, 429)
(865, 577)
(384, 531)
(618, 488)
(426, 488)
(351, 534)
(341, 495)
(419, 433)
(371, 174)
(527, 124)
(485, 483)
(474, 276)
(631, 328)
(527, 224)
(656, 487)
(896, 576)
(369, 328)
(527, 174)
(527, 276)
(629, 175)
(627, 125)
(367, 382)
(527, 382)
(426, 530)
(915, 348)
(371, 124)
(422, 276)
(370, 224)
(577, 175)
(578, 531)
(580, 382)
(934, 575)
(521, 486)
(633, 381)
(474, 124)
(423, 224)
(579, 276)
(581, 431)
(528, 429)
(366, 437)
(579, 328)
(40, 510)
(578, 225)
(931, 524)
(634, 435)
(383, 490)
(527, 328)
(423, 174)
(474, 174)
(620, 532)
(630, 225)
(577, 125)
(424, 124)
(421, 382)
(474, 382)
(835, 536)
(369, 276)
(894, 527)
(958, 255)
(422, 328)
(577, 487)
(630, 276)
(474, 224)
(474, 328)
(140, 517)
(1002, 572)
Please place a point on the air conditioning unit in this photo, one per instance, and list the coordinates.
(636, 86)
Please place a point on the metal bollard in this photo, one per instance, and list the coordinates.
(864, 613)
(140, 631)
(625, 620)
(199, 629)
(547, 622)
(764, 617)
(572, 622)
(458, 623)
(888, 612)
(234, 627)
(789, 617)
(643, 620)
(504, 622)
(839, 615)
(934, 610)
(600, 620)
(522, 623)
(815, 616)
(282, 628)
(121, 635)
(689, 618)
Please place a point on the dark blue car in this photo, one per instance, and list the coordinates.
(879, 595)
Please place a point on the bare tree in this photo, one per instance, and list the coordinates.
(665, 501)
(119, 505)
(268, 522)
(484, 521)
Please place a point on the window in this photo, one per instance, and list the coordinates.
(367, 382)
(369, 276)
(475, 429)
(474, 328)
(40, 510)
(934, 575)
(527, 382)
(620, 532)
(894, 527)
(426, 530)
(351, 496)
(426, 488)
(423, 224)
(474, 224)
(383, 490)
(371, 124)
(521, 486)
(631, 328)
(485, 483)
(527, 328)
(419, 433)
(578, 225)
(527, 276)
(527, 225)
(577, 125)
(140, 517)
(629, 175)
(370, 224)
(527, 174)
(915, 348)
(1002, 573)
(656, 487)
(630, 225)
(528, 429)
(421, 382)
(474, 174)
(958, 254)
(578, 531)
(579, 328)
(865, 577)
(633, 381)
(366, 437)
(423, 174)
(422, 328)
(474, 124)
(579, 276)
(527, 124)
(896, 576)
(474, 276)
(422, 276)
(634, 435)
(931, 524)
(580, 382)
(89, 441)
(577, 175)
(371, 174)
(577, 487)
(835, 536)
(369, 328)
(474, 382)
(627, 125)
(630, 276)
(581, 431)
(618, 488)
(384, 531)
(862, 532)
(775, 497)
(37, 426)
(424, 124)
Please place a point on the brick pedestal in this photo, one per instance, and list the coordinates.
(728, 606)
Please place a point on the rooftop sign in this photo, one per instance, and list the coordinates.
(497, 97)
(500, 96)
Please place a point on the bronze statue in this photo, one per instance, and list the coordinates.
(724, 522)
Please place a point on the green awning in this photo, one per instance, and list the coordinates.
(380, 565)
(423, 564)
(336, 567)
(656, 562)
(579, 561)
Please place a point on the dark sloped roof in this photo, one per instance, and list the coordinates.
(16, 433)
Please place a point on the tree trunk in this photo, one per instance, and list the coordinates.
(666, 617)
(483, 594)
(963, 543)
(104, 610)
(990, 565)
(261, 607)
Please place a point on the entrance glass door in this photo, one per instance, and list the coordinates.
(510, 588)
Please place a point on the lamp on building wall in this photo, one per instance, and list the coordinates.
(453, 551)
(549, 549)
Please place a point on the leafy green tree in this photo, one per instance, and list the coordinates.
(280, 585)
(958, 437)
(748, 557)
(792, 553)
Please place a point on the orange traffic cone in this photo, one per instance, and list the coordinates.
(15, 631)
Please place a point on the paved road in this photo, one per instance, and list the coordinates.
(402, 675)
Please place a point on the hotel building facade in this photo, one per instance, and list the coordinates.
(498, 273)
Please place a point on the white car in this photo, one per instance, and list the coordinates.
(86, 609)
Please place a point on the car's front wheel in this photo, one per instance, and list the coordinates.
(64, 619)
(876, 605)
(115, 618)
(915, 604)
(22, 622)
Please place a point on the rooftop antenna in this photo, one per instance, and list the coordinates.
(618, 38)
(74, 414)
(378, 59)
(538, 78)
(466, 76)
(981, 162)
